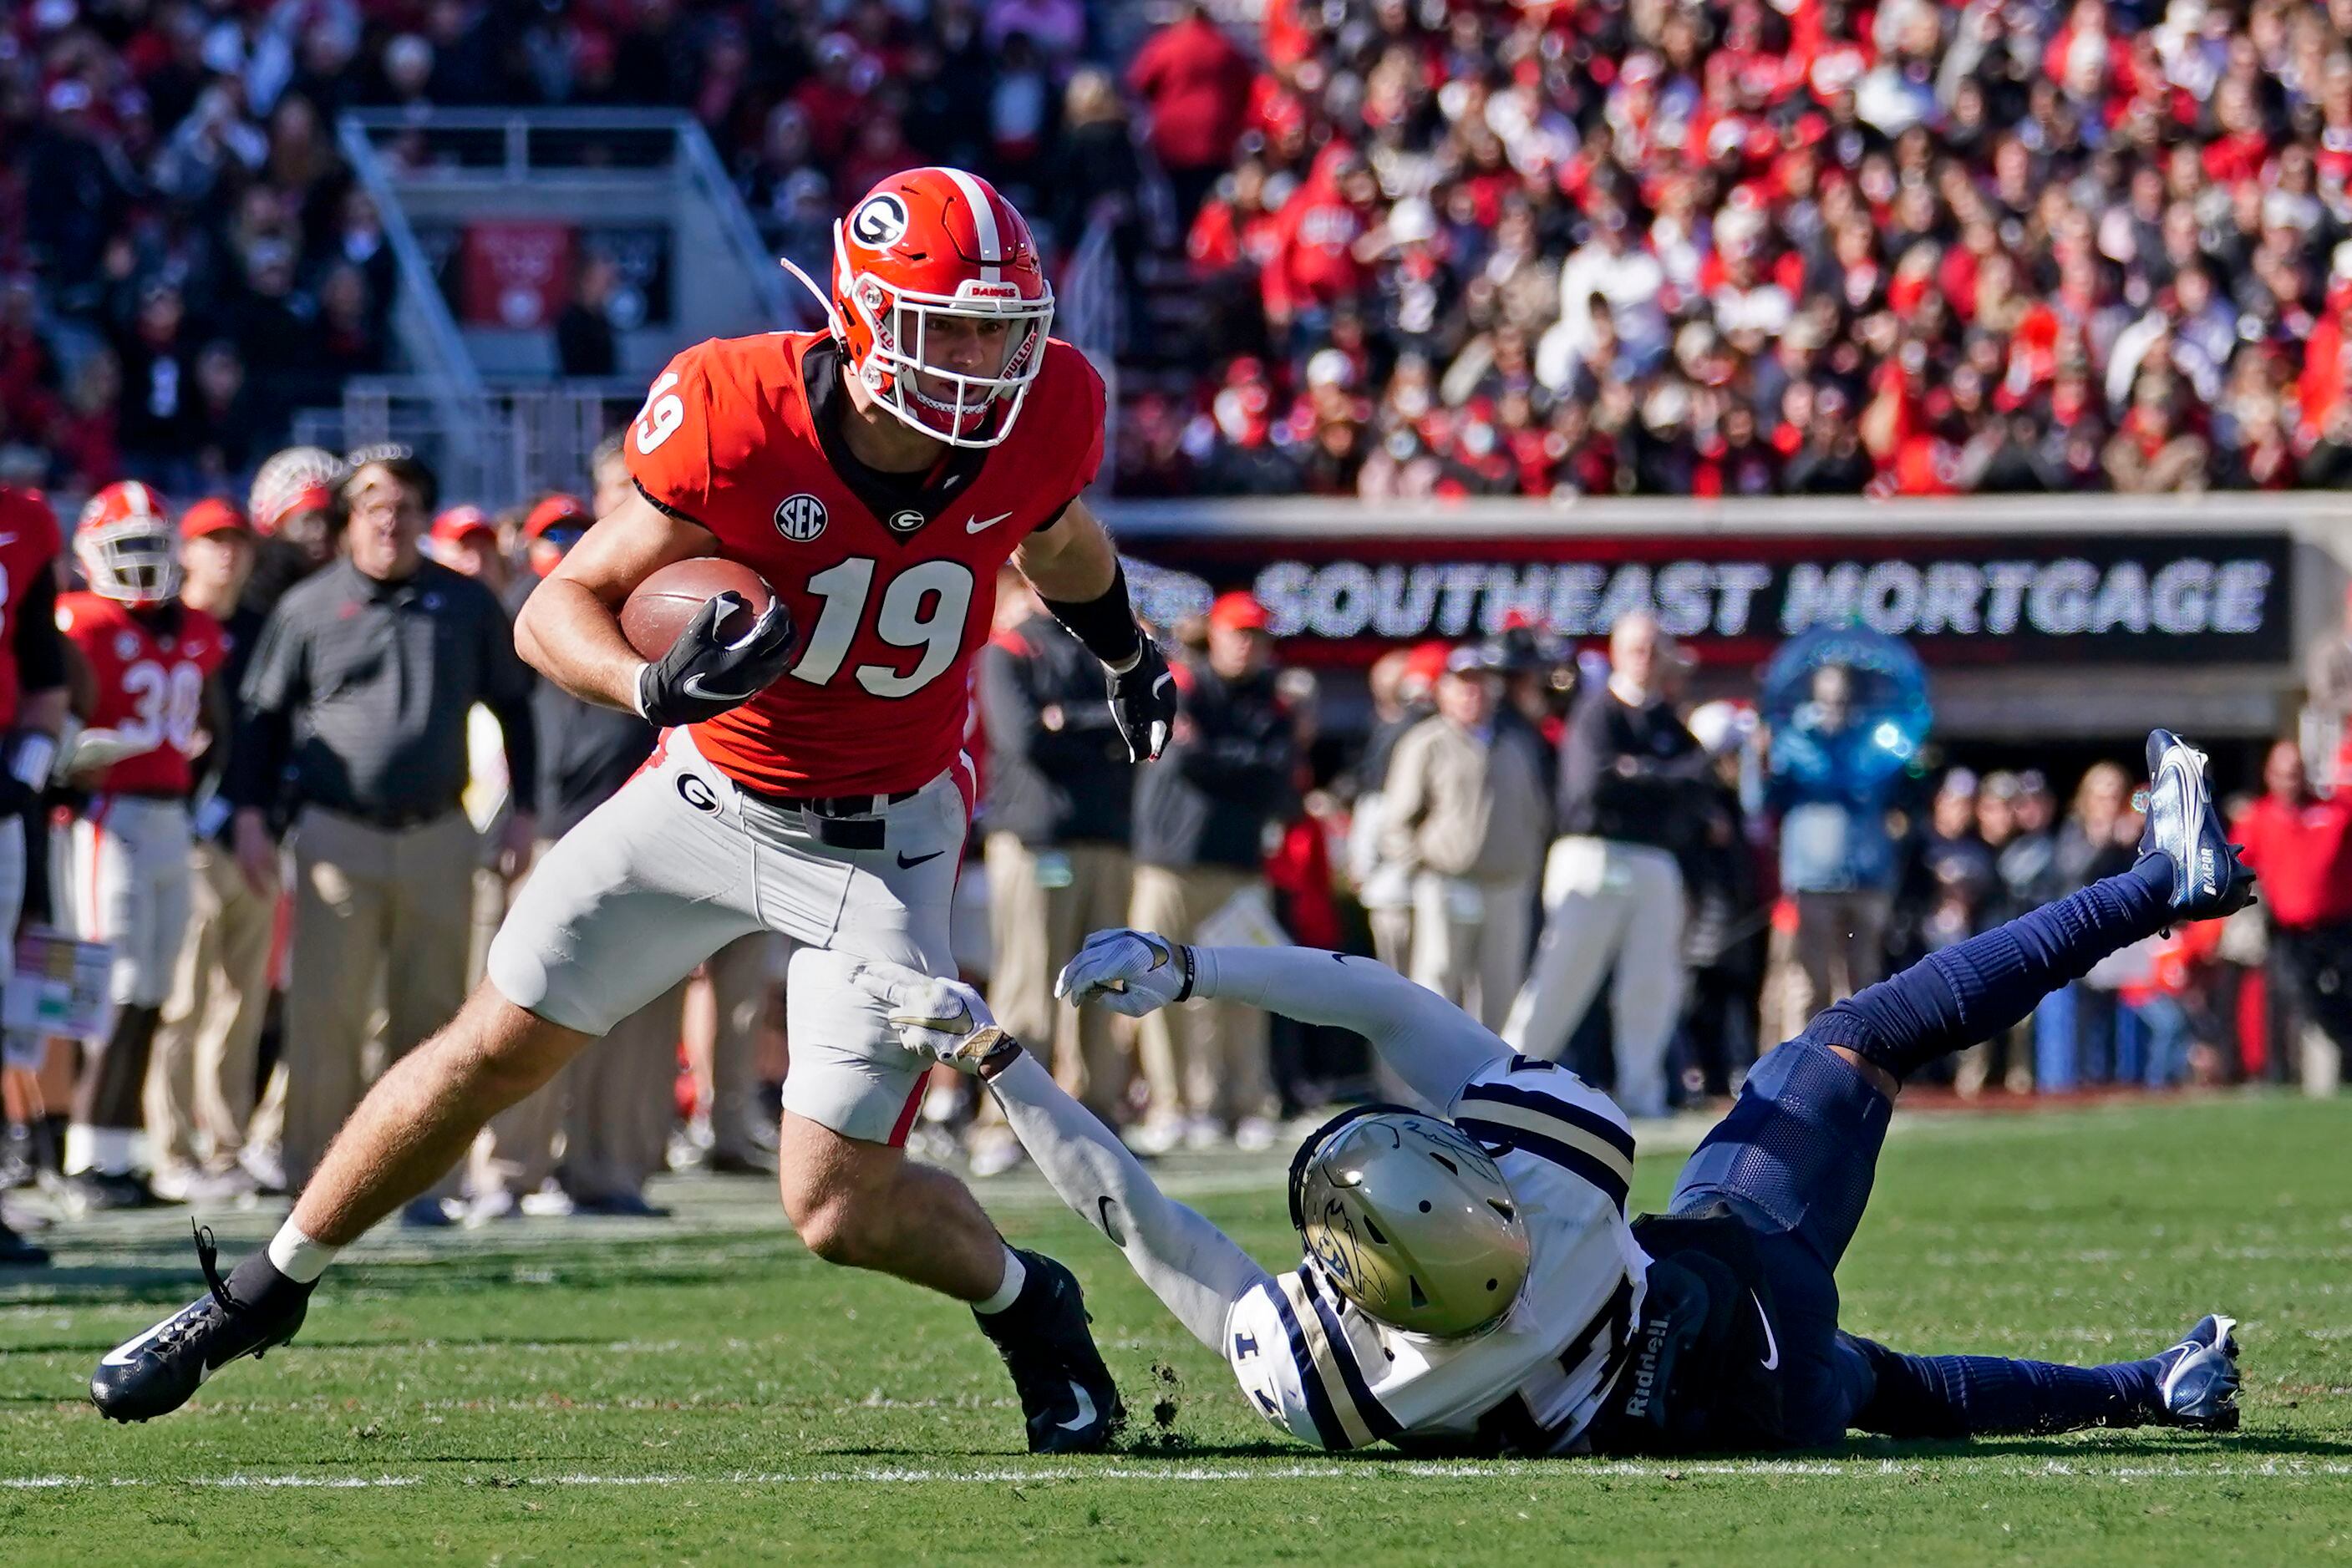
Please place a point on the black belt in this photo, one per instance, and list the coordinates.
(836, 805)
(838, 821)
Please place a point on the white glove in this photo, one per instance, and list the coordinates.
(945, 1020)
(92, 749)
(1129, 972)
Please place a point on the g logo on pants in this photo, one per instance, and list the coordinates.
(697, 794)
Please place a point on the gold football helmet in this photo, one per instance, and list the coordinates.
(1408, 1218)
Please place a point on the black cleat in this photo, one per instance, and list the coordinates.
(2209, 881)
(15, 1252)
(105, 1192)
(2198, 1385)
(1068, 1398)
(157, 1373)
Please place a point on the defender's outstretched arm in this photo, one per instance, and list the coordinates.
(1429, 1042)
(1190, 1264)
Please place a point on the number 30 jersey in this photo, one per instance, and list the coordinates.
(151, 672)
(1315, 1364)
(891, 594)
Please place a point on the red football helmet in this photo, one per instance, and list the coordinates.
(926, 248)
(127, 547)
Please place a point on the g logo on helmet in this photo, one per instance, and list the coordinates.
(879, 222)
(800, 517)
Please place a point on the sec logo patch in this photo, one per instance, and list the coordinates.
(800, 518)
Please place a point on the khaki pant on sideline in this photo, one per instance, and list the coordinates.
(622, 1102)
(743, 978)
(1203, 1059)
(1474, 959)
(369, 907)
(1392, 937)
(200, 1090)
(1840, 947)
(1608, 902)
(1035, 930)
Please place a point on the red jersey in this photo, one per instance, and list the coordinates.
(2303, 852)
(29, 543)
(151, 685)
(889, 612)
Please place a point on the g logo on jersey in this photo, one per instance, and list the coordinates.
(880, 222)
(905, 522)
(800, 517)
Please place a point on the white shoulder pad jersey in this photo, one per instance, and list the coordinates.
(1313, 1364)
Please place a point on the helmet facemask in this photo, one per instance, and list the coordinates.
(1407, 1217)
(960, 408)
(134, 560)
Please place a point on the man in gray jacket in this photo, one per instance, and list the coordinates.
(1467, 815)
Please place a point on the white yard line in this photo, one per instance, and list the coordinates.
(2064, 1473)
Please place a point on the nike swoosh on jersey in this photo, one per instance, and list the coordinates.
(907, 864)
(974, 525)
(1771, 1345)
(1086, 1416)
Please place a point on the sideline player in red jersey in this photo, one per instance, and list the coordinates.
(33, 702)
(877, 475)
(152, 660)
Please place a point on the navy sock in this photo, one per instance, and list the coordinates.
(1970, 1395)
(1973, 992)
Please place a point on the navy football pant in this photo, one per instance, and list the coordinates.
(1796, 1154)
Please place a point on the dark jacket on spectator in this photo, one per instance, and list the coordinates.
(1208, 798)
(1630, 773)
(1069, 781)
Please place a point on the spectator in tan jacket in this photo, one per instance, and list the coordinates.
(1465, 816)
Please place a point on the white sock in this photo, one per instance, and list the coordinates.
(1015, 1275)
(298, 1258)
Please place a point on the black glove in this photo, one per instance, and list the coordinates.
(706, 671)
(1143, 704)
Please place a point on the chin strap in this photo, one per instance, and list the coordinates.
(832, 321)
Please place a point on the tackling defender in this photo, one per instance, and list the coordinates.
(1470, 1281)
(877, 475)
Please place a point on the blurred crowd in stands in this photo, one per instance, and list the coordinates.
(1434, 247)
(186, 261)
(1790, 247)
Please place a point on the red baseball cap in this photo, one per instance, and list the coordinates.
(459, 524)
(1238, 611)
(213, 515)
(556, 511)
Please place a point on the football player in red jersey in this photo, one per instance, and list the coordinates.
(33, 703)
(151, 660)
(877, 475)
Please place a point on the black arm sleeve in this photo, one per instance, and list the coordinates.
(41, 657)
(1106, 623)
(507, 694)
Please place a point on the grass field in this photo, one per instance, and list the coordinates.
(699, 1390)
